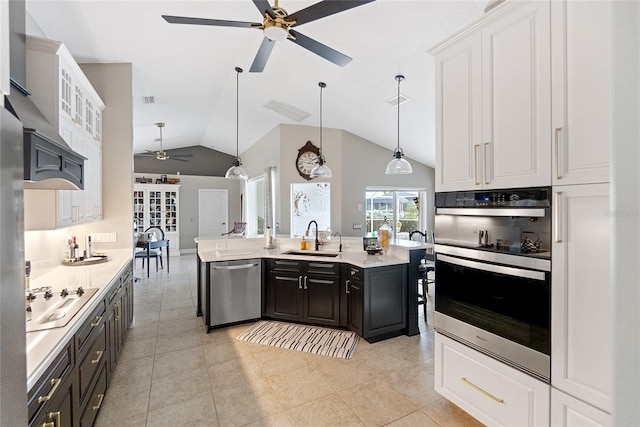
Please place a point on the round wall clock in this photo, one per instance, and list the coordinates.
(307, 159)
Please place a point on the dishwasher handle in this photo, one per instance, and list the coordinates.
(234, 267)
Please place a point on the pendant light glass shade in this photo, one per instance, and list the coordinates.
(237, 171)
(398, 165)
(321, 170)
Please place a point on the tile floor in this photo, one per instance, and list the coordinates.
(172, 373)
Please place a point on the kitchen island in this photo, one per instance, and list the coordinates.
(373, 295)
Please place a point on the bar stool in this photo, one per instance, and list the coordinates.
(427, 264)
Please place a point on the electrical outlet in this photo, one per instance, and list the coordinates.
(359, 207)
(357, 226)
(103, 237)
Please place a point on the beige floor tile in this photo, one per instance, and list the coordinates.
(223, 350)
(142, 332)
(135, 421)
(341, 373)
(275, 360)
(177, 327)
(235, 373)
(197, 412)
(417, 384)
(299, 386)
(246, 403)
(447, 414)
(177, 313)
(178, 387)
(147, 318)
(169, 302)
(276, 420)
(137, 349)
(377, 402)
(167, 344)
(124, 402)
(414, 419)
(328, 411)
(174, 362)
(133, 372)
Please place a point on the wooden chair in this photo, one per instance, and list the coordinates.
(157, 234)
(237, 230)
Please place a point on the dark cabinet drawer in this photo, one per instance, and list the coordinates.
(95, 399)
(281, 265)
(323, 268)
(92, 361)
(88, 331)
(51, 382)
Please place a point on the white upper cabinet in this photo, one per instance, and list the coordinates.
(581, 91)
(493, 113)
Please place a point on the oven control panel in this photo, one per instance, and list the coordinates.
(518, 197)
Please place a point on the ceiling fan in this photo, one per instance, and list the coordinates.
(161, 154)
(277, 25)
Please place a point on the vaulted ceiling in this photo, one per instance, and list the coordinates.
(189, 69)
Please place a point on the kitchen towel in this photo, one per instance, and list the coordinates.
(311, 339)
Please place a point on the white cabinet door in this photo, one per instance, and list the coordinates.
(581, 91)
(516, 110)
(493, 111)
(581, 296)
(567, 411)
(492, 392)
(459, 125)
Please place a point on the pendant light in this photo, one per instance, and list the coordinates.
(237, 171)
(398, 166)
(321, 170)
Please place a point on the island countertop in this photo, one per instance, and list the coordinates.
(43, 346)
(212, 250)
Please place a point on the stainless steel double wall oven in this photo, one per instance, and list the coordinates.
(493, 274)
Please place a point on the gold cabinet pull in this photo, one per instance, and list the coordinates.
(486, 393)
(475, 164)
(97, 322)
(55, 383)
(556, 219)
(99, 354)
(484, 162)
(100, 398)
(53, 419)
(118, 310)
(557, 143)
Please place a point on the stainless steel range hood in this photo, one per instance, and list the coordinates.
(49, 163)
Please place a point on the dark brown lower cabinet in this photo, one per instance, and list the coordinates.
(94, 402)
(377, 301)
(61, 409)
(303, 291)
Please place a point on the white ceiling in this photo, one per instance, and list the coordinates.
(190, 69)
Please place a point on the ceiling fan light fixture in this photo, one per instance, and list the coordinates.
(237, 171)
(321, 170)
(275, 31)
(398, 165)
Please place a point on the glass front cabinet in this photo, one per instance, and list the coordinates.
(158, 205)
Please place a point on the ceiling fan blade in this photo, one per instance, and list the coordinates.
(263, 54)
(152, 154)
(180, 155)
(264, 7)
(175, 158)
(205, 21)
(322, 9)
(320, 49)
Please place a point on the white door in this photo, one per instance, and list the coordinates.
(213, 212)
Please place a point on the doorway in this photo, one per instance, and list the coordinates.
(213, 212)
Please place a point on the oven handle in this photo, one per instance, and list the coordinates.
(492, 268)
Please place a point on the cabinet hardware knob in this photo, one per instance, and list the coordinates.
(97, 322)
(484, 162)
(55, 383)
(557, 141)
(475, 164)
(486, 393)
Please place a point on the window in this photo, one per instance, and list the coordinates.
(405, 210)
(310, 201)
(255, 207)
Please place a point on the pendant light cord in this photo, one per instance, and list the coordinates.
(238, 71)
(322, 86)
(399, 80)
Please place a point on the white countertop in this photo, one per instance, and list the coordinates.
(43, 346)
(212, 250)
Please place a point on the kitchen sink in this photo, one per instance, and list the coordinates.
(312, 253)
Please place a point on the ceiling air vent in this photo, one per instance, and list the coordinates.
(149, 99)
(286, 110)
(394, 101)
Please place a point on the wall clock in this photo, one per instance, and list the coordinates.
(307, 158)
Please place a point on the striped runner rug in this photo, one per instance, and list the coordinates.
(311, 339)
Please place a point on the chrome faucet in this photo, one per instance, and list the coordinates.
(307, 233)
(338, 234)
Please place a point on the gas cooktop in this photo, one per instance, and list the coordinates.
(48, 310)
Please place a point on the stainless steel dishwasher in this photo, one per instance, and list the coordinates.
(235, 292)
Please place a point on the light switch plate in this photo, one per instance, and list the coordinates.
(357, 226)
